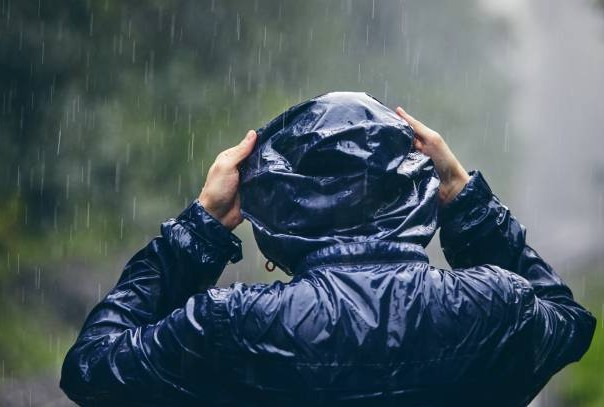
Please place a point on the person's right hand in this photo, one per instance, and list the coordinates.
(453, 177)
(220, 194)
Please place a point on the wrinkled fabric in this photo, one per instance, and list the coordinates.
(337, 168)
(364, 321)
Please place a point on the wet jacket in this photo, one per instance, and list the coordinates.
(365, 319)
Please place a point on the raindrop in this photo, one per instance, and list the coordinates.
(238, 27)
(385, 91)
(88, 170)
(67, 187)
(116, 182)
(59, 142)
(280, 41)
(91, 26)
(42, 176)
(192, 144)
(506, 139)
(172, 28)
(134, 208)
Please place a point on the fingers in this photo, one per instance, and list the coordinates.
(234, 155)
(401, 112)
(419, 128)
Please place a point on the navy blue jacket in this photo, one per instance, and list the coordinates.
(362, 322)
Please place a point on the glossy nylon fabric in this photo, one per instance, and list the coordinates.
(337, 168)
(364, 322)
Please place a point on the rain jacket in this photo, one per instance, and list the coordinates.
(338, 198)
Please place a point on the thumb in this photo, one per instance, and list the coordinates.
(243, 149)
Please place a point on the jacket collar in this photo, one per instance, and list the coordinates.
(377, 251)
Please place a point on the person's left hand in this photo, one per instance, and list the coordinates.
(453, 177)
(219, 196)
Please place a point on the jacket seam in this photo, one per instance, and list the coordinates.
(373, 262)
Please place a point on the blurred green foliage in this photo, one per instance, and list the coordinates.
(583, 383)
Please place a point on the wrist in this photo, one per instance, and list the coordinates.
(208, 228)
(227, 218)
(450, 188)
(476, 192)
(209, 208)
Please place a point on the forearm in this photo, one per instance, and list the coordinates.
(477, 229)
(201, 246)
(188, 257)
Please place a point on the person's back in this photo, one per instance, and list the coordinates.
(340, 197)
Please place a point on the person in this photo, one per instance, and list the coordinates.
(344, 195)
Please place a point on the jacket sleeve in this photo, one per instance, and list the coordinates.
(476, 229)
(135, 345)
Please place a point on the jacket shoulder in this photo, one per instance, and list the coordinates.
(488, 297)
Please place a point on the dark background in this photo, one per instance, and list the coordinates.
(112, 112)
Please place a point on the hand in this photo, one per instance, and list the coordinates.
(219, 196)
(453, 177)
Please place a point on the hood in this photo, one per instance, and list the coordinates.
(336, 169)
